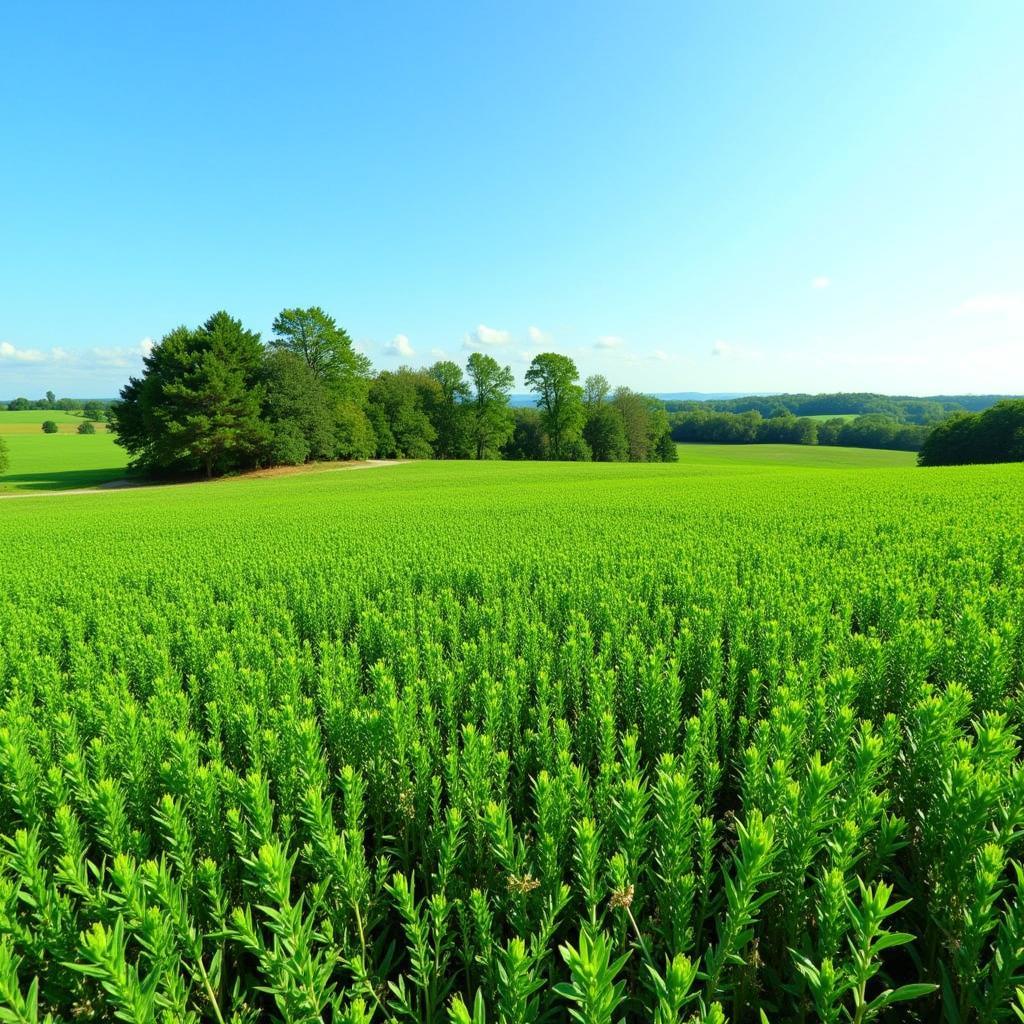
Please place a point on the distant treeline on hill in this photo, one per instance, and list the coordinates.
(870, 431)
(215, 399)
(91, 408)
(902, 408)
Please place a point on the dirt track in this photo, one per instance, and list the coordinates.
(114, 486)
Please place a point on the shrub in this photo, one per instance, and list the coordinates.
(49, 427)
(88, 427)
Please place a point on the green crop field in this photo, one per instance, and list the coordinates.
(732, 457)
(31, 421)
(736, 738)
(55, 462)
(821, 418)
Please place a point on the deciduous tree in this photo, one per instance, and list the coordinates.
(552, 377)
(491, 422)
(448, 412)
(327, 349)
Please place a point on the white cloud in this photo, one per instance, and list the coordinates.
(400, 347)
(113, 358)
(486, 337)
(21, 355)
(820, 281)
(439, 353)
(609, 341)
(660, 355)
(116, 357)
(1006, 303)
(729, 350)
(537, 336)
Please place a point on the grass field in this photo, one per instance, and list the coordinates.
(487, 741)
(846, 416)
(31, 422)
(792, 456)
(55, 462)
(46, 462)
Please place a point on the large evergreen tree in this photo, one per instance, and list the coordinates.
(198, 404)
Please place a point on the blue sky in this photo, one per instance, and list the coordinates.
(685, 197)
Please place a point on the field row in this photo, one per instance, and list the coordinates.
(497, 742)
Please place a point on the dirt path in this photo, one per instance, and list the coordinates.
(132, 485)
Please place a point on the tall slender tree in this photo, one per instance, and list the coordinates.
(448, 411)
(552, 377)
(491, 422)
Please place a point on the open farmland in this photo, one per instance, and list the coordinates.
(30, 421)
(501, 741)
(54, 462)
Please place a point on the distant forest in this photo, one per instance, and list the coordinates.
(217, 399)
(902, 408)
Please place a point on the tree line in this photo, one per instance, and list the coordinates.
(216, 399)
(995, 435)
(902, 408)
(91, 408)
(869, 431)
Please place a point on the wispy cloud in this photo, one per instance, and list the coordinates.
(10, 353)
(989, 303)
(537, 336)
(607, 341)
(821, 281)
(730, 350)
(486, 337)
(400, 346)
(98, 357)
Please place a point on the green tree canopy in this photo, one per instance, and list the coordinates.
(528, 440)
(327, 349)
(995, 435)
(491, 422)
(299, 410)
(595, 389)
(397, 408)
(605, 433)
(448, 412)
(198, 403)
(552, 377)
